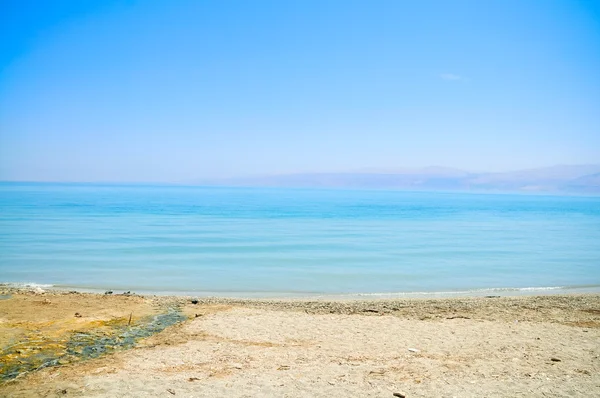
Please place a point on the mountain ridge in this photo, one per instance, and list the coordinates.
(559, 179)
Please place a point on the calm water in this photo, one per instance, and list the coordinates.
(251, 241)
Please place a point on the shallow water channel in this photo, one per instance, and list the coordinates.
(30, 355)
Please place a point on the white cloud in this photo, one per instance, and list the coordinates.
(451, 76)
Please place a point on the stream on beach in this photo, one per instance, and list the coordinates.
(40, 351)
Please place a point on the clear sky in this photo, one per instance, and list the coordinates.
(172, 90)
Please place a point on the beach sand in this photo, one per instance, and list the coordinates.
(542, 346)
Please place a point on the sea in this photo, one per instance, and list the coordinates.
(284, 242)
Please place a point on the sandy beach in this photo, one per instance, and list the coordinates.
(539, 346)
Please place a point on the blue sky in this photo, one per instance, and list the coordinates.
(175, 90)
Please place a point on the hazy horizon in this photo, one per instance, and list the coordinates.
(552, 179)
(360, 170)
(111, 91)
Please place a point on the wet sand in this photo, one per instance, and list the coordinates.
(539, 346)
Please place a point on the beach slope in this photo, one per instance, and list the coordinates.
(540, 346)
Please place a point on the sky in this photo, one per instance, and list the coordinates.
(177, 90)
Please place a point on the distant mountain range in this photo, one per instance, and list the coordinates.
(582, 179)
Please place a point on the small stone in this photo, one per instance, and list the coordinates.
(555, 360)
(399, 395)
(171, 391)
(413, 350)
(108, 292)
(78, 315)
(194, 301)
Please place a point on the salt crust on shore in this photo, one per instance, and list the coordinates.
(543, 346)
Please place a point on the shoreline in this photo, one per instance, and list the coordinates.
(553, 307)
(259, 295)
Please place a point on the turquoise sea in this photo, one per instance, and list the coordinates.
(253, 242)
